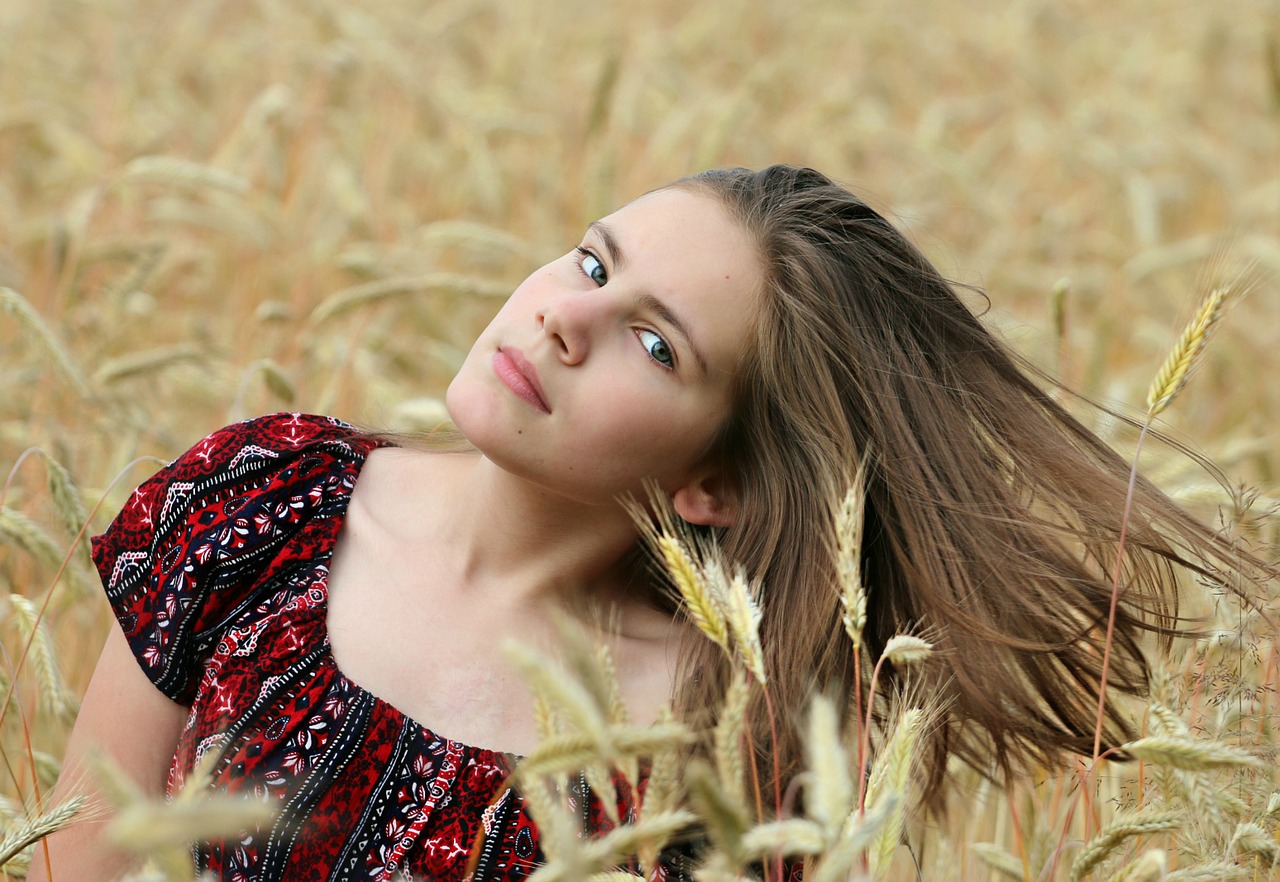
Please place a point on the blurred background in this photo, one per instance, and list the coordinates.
(212, 209)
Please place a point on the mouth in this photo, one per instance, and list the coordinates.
(520, 376)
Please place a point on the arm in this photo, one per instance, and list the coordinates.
(134, 724)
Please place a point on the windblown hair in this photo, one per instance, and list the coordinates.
(992, 516)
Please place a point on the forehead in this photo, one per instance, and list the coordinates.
(684, 248)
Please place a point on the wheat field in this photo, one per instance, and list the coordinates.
(212, 210)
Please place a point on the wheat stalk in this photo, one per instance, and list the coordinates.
(729, 732)
(566, 695)
(998, 858)
(34, 829)
(20, 531)
(476, 236)
(146, 257)
(793, 836)
(906, 649)
(1098, 848)
(859, 833)
(600, 780)
(726, 820)
(829, 791)
(66, 498)
(369, 293)
(1189, 755)
(1173, 374)
(1150, 867)
(703, 607)
(137, 364)
(853, 595)
(14, 304)
(890, 776)
(653, 831)
(568, 753)
(53, 693)
(743, 615)
(1251, 839)
(1211, 871)
(182, 172)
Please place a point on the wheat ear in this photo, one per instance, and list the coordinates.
(891, 777)
(1097, 849)
(742, 610)
(1173, 374)
(1251, 839)
(25, 314)
(1150, 867)
(998, 858)
(729, 733)
(53, 693)
(853, 595)
(34, 829)
(1210, 871)
(702, 606)
(1189, 755)
(829, 789)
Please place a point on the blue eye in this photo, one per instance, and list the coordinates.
(657, 348)
(591, 267)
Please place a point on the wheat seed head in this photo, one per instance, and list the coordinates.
(1186, 353)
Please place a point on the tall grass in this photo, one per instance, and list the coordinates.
(210, 210)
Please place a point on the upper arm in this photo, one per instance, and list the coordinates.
(125, 718)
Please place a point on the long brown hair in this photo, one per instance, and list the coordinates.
(991, 514)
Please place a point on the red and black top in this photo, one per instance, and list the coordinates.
(216, 569)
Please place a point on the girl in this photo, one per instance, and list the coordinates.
(320, 610)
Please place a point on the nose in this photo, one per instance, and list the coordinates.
(571, 322)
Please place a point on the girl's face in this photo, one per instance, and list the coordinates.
(616, 362)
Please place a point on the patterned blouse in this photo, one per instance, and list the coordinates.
(216, 569)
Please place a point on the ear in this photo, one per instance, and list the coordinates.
(708, 500)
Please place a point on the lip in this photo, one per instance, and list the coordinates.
(520, 376)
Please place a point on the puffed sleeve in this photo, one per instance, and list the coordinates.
(196, 544)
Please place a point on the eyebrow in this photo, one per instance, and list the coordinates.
(610, 240)
(618, 259)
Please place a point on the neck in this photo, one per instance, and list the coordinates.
(510, 537)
